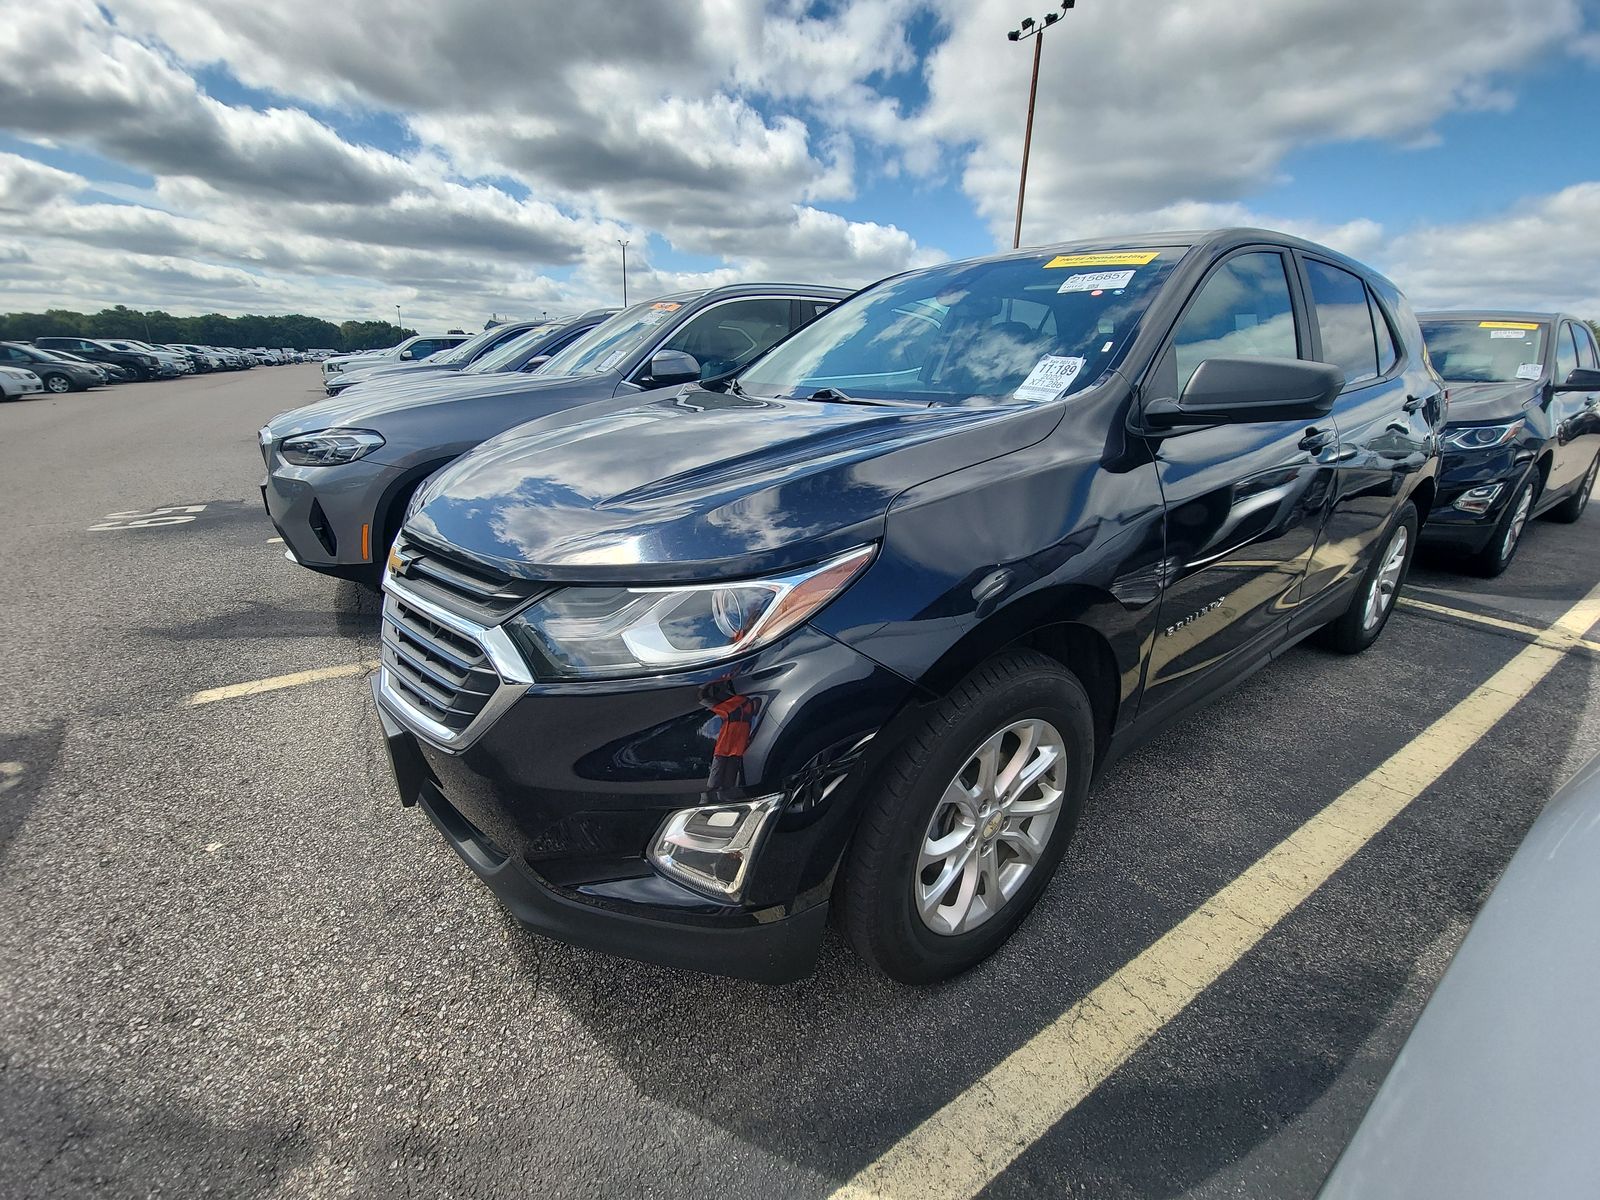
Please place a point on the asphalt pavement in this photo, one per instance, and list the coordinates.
(231, 963)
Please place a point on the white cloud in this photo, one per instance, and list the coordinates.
(1146, 103)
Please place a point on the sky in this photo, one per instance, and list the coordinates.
(462, 158)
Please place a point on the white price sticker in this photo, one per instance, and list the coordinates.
(1513, 334)
(1051, 376)
(1529, 371)
(1097, 281)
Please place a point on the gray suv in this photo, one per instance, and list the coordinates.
(341, 472)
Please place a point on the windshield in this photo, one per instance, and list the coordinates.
(1485, 351)
(505, 355)
(463, 351)
(1034, 328)
(610, 342)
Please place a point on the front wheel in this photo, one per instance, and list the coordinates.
(1570, 509)
(56, 382)
(1373, 602)
(1496, 556)
(967, 821)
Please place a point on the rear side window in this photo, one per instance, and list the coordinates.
(1344, 320)
(810, 310)
(1243, 308)
(1566, 354)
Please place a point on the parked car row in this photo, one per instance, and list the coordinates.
(756, 605)
(75, 364)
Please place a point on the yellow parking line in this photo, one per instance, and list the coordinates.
(1533, 631)
(256, 686)
(965, 1145)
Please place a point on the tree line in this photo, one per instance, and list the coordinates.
(213, 329)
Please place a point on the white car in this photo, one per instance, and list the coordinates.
(413, 349)
(16, 382)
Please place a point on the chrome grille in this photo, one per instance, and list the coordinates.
(441, 672)
(462, 586)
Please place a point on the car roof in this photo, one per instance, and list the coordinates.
(819, 291)
(1210, 240)
(1491, 314)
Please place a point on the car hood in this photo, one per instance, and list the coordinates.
(1475, 403)
(694, 484)
(369, 407)
(393, 371)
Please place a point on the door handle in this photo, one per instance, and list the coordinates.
(1413, 403)
(1316, 440)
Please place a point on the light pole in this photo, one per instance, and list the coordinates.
(398, 323)
(623, 242)
(1035, 30)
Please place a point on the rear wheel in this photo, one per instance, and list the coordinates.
(1373, 603)
(1570, 509)
(968, 819)
(1496, 556)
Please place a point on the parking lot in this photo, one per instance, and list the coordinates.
(232, 963)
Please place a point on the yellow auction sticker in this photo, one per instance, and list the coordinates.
(1106, 258)
(1507, 325)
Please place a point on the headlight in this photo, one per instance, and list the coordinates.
(329, 447)
(604, 632)
(1481, 437)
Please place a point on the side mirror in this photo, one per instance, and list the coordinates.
(537, 361)
(1582, 379)
(405, 354)
(1236, 391)
(669, 367)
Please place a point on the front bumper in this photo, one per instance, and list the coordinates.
(327, 515)
(556, 804)
(1457, 528)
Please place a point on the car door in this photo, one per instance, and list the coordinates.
(1585, 422)
(1244, 502)
(1383, 431)
(1571, 455)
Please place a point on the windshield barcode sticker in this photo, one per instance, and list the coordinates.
(1096, 281)
(1529, 371)
(1051, 376)
(1507, 333)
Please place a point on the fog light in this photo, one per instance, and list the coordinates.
(710, 848)
(1478, 499)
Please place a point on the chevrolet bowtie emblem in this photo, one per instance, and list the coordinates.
(398, 562)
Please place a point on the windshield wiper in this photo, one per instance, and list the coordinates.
(837, 397)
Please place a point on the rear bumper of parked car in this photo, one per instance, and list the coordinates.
(555, 806)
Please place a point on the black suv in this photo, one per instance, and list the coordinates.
(1523, 437)
(856, 627)
(143, 366)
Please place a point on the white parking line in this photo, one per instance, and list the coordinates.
(960, 1149)
(255, 687)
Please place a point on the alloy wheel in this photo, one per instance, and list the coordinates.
(1380, 596)
(991, 827)
(1588, 486)
(1519, 520)
(58, 384)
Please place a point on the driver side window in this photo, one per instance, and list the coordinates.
(1566, 354)
(1243, 308)
(725, 337)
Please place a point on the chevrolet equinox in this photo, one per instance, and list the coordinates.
(853, 628)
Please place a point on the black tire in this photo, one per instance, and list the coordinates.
(874, 897)
(1570, 509)
(141, 373)
(56, 382)
(1501, 547)
(1372, 605)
